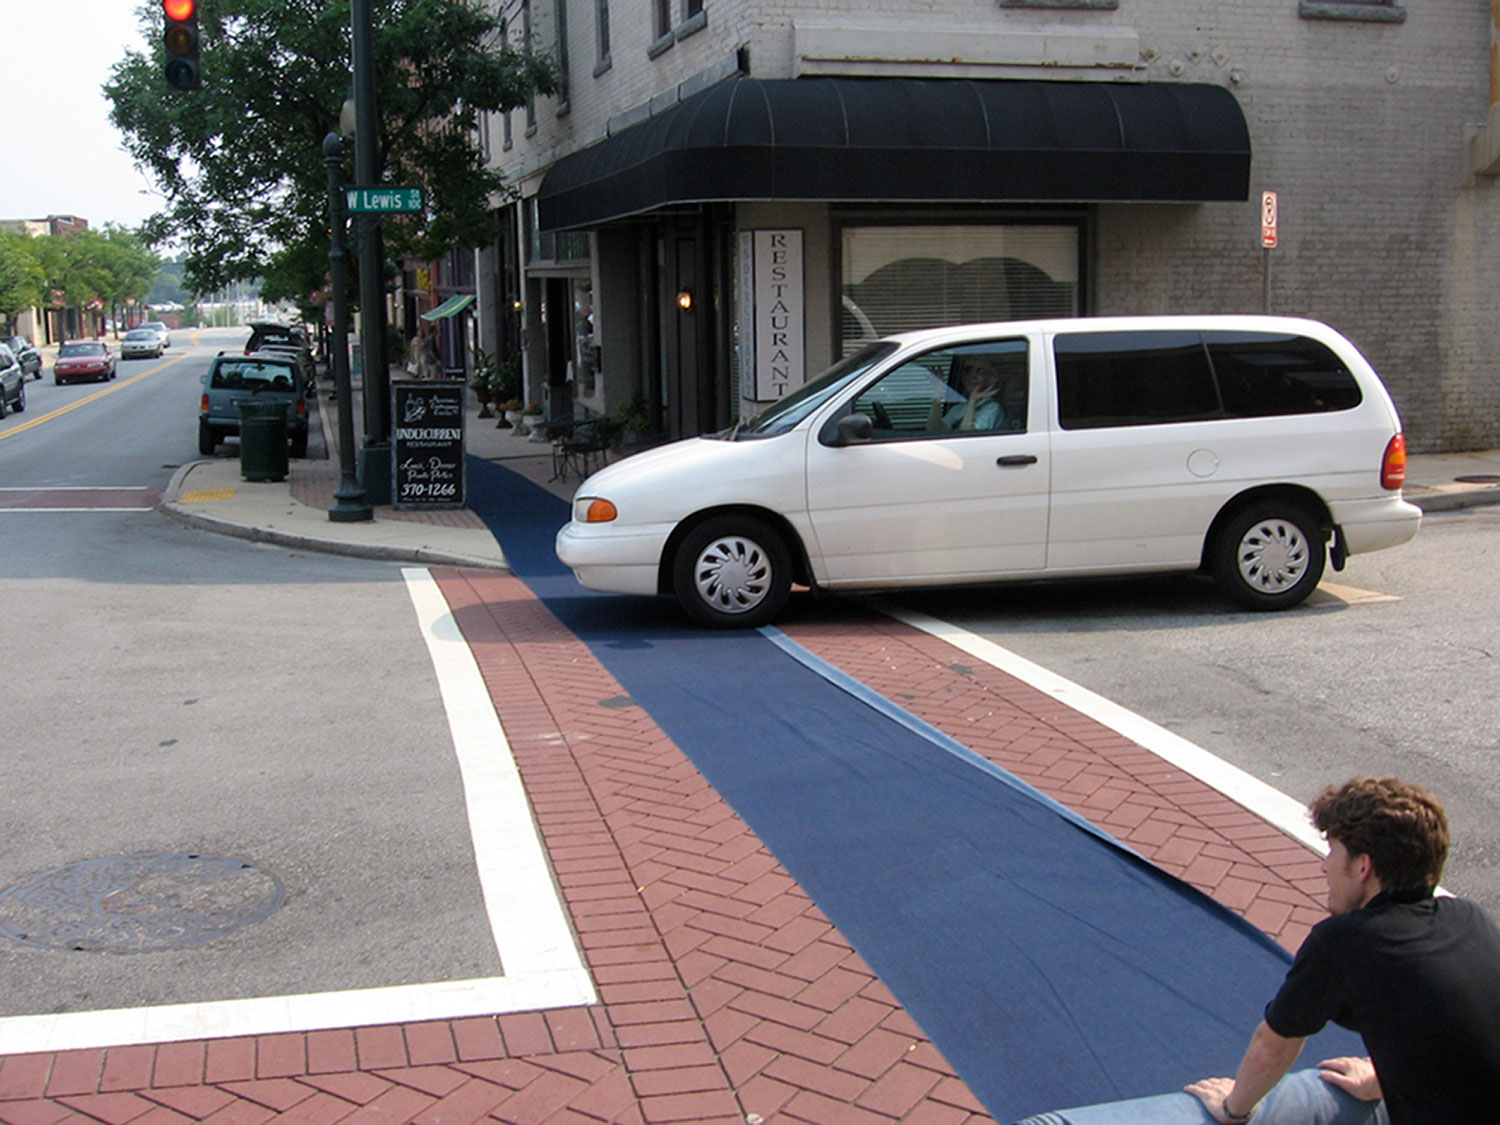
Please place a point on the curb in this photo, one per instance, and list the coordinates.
(378, 551)
(1435, 501)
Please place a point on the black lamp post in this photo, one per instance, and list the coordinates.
(375, 455)
(349, 504)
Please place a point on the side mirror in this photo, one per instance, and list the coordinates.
(855, 429)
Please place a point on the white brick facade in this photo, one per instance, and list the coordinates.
(1362, 126)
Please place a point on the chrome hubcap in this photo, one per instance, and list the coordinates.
(733, 574)
(1273, 556)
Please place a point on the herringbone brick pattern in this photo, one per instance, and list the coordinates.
(1170, 817)
(726, 995)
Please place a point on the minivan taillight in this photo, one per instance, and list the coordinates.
(1393, 464)
(203, 403)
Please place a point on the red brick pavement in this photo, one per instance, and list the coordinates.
(725, 994)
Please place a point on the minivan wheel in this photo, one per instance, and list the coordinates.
(732, 572)
(1269, 556)
(208, 439)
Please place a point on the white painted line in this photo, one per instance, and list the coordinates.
(531, 928)
(78, 488)
(272, 1015)
(538, 955)
(1246, 790)
(1349, 595)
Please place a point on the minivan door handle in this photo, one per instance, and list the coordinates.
(1015, 460)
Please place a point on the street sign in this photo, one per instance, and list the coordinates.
(385, 200)
(1268, 219)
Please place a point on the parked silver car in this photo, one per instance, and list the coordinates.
(12, 383)
(233, 379)
(26, 355)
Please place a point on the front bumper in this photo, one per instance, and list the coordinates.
(613, 559)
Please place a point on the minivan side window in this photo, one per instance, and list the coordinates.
(971, 388)
(1262, 374)
(1133, 379)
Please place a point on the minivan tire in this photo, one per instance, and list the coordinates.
(208, 439)
(732, 572)
(1269, 555)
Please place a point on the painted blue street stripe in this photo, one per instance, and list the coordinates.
(1049, 965)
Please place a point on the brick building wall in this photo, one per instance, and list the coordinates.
(1362, 126)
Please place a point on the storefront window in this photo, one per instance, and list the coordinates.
(896, 279)
(584, 365)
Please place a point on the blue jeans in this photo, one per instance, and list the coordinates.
(1298, 1099)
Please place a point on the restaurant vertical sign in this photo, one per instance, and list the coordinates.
(427, 444)
(772, 353)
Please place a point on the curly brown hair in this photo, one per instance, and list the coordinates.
(1400, 826)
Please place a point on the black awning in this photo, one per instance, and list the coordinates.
(912, 140)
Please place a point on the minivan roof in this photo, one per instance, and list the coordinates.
(1235, 322)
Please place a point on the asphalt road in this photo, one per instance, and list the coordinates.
(173, 691)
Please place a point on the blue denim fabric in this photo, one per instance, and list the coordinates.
(1298, 1099)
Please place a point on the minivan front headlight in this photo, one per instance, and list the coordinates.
(593, 509)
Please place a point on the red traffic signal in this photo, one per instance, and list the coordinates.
(181, 41)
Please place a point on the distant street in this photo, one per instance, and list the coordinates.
(174, 691)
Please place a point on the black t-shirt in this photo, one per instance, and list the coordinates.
(1419, 978)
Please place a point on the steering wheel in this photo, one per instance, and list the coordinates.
(882, 419)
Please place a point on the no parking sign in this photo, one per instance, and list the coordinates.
(1268, 219)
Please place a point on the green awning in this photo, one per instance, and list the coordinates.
(451, 307)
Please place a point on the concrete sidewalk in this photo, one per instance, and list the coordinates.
(294, 513)
(725, 995)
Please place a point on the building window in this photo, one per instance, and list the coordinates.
(1368, 11)
(693, 19)
(899, 278)
(601, 34)
(561, 8)
(661, 29)
(526, 46)
(508, 139)
(1104, 5)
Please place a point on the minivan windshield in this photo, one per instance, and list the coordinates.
(786, 413)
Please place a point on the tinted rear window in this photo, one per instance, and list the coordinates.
(270, 336)
(1133, 379)
(1143, 378)
(253, 376)
(1263, 374)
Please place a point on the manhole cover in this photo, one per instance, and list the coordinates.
(1479, 478)
(138, 903)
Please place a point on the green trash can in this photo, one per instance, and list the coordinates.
(263, 439)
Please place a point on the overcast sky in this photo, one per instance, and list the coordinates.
(63, 157)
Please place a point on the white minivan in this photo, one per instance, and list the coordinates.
(1249, 447)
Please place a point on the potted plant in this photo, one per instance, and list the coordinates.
(480, 381)
(633, 418)
(531, 418)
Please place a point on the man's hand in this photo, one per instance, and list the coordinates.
(1354, 1076)
(1212, 1092)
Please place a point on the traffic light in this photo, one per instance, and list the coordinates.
(181, 41)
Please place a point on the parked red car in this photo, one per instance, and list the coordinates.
(84, 359)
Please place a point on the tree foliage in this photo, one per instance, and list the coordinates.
(240, 160)
(21, 276)
(112, 266)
